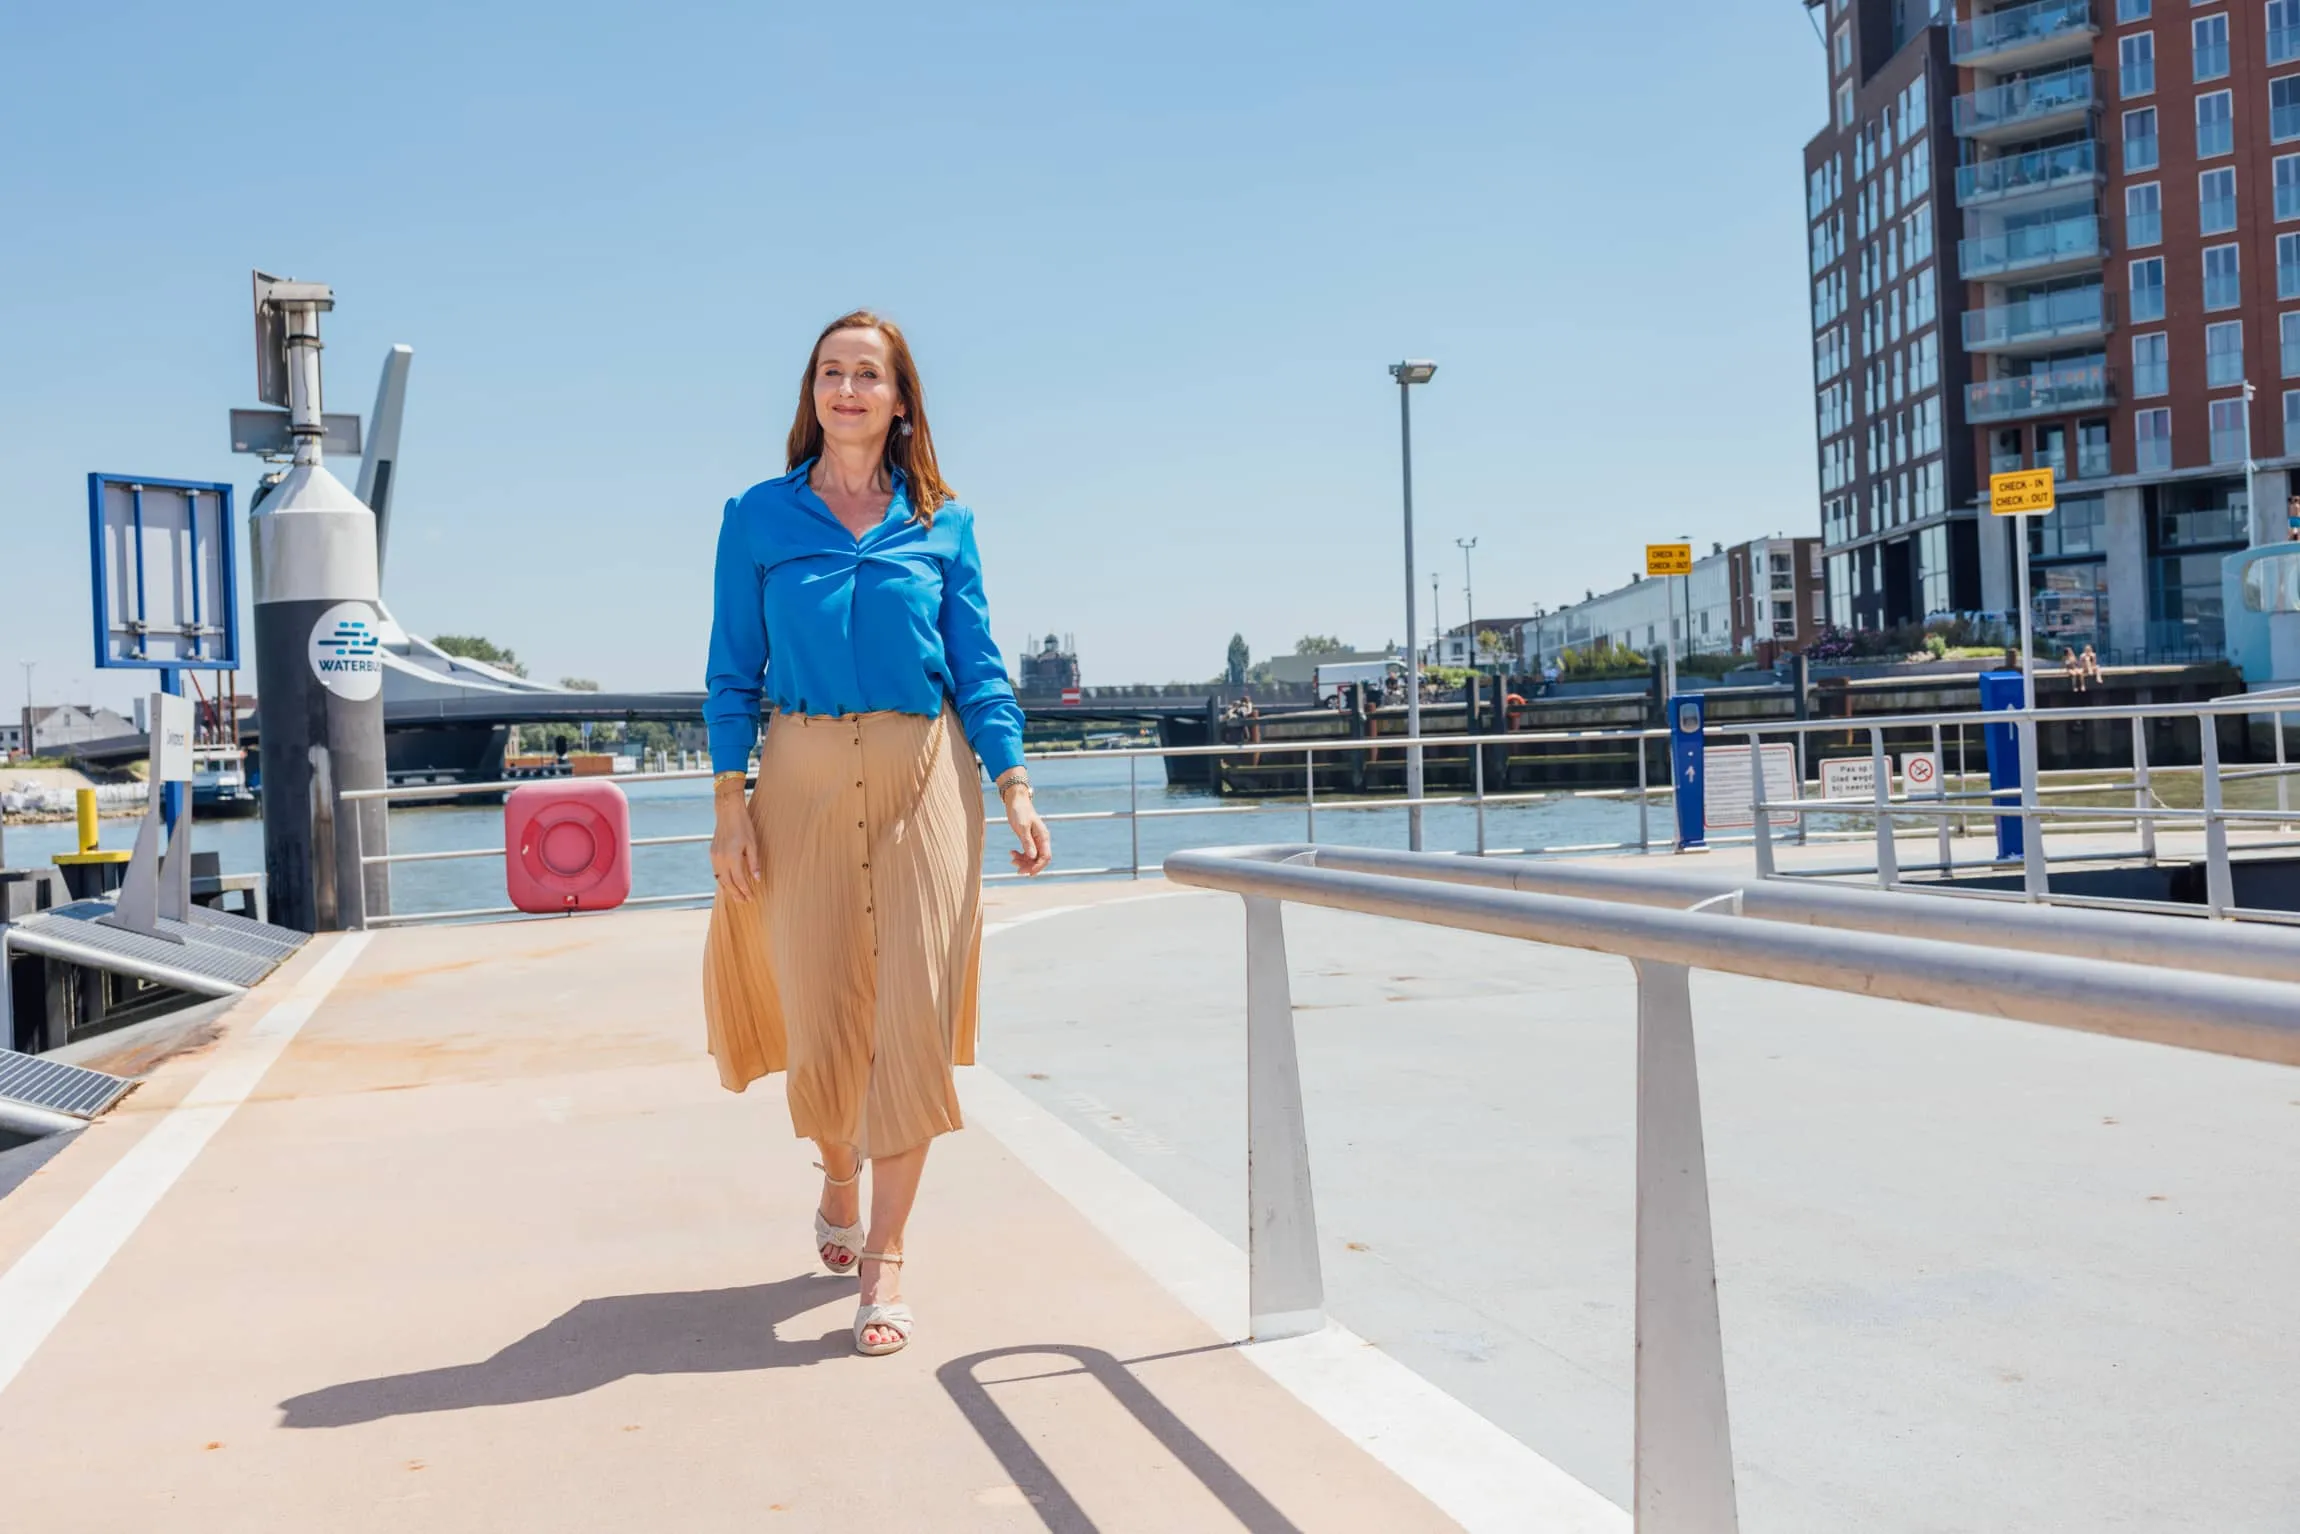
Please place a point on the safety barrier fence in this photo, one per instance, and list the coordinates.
(1947, 809)
(2022, 817)
(2218, 988)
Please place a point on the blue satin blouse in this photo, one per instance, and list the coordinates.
(895, 619)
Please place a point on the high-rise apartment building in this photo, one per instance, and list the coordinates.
(2129, 184)
(1899, 525)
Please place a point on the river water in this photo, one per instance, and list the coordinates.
(1094, 785)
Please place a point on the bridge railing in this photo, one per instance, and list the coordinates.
(2095, 972)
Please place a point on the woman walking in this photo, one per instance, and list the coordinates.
(847, 931)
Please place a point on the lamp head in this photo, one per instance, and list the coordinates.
(1412, 371)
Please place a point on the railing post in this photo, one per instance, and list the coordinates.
(1286, 1287)
(2283, 784)
(2142, 799)
(1644, 833)
(1133, 817)
(1477, 778)
(1761, 826)
(2219, 885)
(359, 862)
(1940, 762)
(1684, 1453)
(1888, 856)
(2033, 882)
(1310, 792)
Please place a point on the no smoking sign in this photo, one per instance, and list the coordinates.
(1921, 772)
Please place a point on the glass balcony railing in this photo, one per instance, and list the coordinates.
(2018, 27)
(2073, 386)
(2065, 315)
(2034, 245)
(2025, 102)
(2283, 44)
(2015, 175)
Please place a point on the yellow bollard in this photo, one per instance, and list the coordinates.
(84, 811)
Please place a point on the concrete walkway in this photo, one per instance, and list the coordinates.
(486, 1248)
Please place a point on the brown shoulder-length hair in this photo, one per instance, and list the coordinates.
(909, 444)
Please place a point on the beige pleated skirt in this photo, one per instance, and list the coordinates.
(856, 971)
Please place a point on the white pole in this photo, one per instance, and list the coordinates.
(1413, 641)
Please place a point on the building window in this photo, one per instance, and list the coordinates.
(2292, 421)
(2227, 431)
(1845, 47)
(2216, 200)
(2284, 108)
(2224, 354)
(2151, 441)
(2288, 266)
(2091, 449)
(2288, 342)
(2151, 373)
(2136, 64)
(2215, 125)
(2283, 31)
(2077, 527)
(2287, 168)
(2223, 286)
(2143, 214)
(1844, 106)
(2147, 290)
(2211, 34)
(2140, 139)
(2131, 10)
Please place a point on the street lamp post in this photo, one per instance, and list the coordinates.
(1469, 598)
(1409, 373)
(2257, 531)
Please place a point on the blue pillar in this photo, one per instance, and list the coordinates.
(2001, 690)
(1687, 770)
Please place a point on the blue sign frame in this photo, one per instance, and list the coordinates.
(217, 652)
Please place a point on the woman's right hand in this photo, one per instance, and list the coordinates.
(735, 848)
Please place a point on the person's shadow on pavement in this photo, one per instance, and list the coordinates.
(708, 1331)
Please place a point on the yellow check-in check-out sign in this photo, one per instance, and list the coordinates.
(1668, 559)
(2021, 493)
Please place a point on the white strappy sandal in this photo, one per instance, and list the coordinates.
(895, 1318)
(847, 1238)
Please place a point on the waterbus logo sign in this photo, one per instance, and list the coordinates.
(343, 651)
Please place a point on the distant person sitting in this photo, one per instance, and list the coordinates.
(2091, 664)
(2073, 667)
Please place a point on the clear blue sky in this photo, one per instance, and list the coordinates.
(1154, 259)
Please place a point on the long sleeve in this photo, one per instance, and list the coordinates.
(735, 675)
(978, 682)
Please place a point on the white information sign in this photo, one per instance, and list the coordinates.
(1725, 800)
(171, 719)
(1849, 777)
(1921, 774)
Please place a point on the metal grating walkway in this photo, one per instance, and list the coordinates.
(220, 954)
(36, 1083)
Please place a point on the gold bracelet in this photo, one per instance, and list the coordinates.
(1014, 780)
(720, 779)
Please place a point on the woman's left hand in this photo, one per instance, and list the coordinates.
(1037, 841)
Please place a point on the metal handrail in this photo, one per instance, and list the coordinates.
(1683, 1447)
(1947, 809)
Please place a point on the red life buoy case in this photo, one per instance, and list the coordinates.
(567, 845)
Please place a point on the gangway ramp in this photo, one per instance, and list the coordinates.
(207, 954)
(469, 1238)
